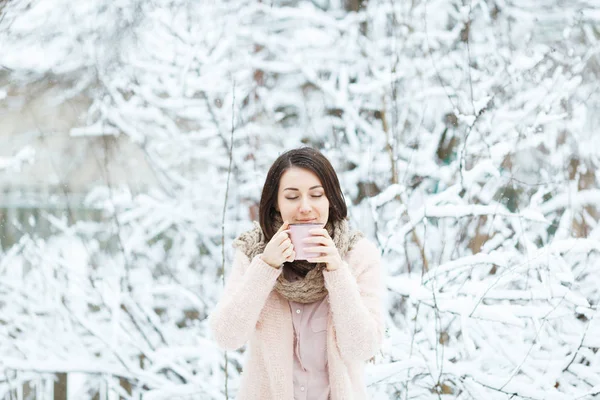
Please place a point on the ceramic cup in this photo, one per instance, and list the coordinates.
(299, 232)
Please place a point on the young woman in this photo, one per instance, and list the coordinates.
(311, 324)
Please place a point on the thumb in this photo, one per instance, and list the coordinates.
(283, 227)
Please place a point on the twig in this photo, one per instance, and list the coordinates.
(468, 29)
(412, 343)
(437, 72)
(512, 394)
(578, 347)
(390, 149)
(223, 219)
(469, 130)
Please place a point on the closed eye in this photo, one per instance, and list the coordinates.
(313, 196)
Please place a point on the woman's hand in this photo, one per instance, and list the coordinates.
(280, 248)
(329, 253)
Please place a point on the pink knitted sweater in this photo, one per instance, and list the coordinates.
(250, 310)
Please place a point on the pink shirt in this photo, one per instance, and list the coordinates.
(311, 379)
(251, 312)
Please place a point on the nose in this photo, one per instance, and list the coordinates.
(304, 206)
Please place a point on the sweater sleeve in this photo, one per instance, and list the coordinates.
(245, 294)
(356, 303)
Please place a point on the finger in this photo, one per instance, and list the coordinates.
(286, 243)
(283, 227)
(318, 260)
(281, 237)
(320, 240)
(317, 239)
(319, 232)
(320, 249)
(288, 252)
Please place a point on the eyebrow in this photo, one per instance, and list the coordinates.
(314, 187)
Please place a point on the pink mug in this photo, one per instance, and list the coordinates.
(299, 232)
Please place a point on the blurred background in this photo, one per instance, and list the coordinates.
(134, 141)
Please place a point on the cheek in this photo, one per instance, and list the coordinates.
(285, 207)
(325, 206)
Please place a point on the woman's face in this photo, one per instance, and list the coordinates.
(301, 197)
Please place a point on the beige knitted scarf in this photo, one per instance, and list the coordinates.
(312, 287)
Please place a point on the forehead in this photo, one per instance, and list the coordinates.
(299, 178)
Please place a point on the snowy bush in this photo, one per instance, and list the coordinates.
(465, 137)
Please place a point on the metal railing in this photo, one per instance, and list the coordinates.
(25, 212)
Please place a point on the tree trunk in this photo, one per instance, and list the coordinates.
(60, 387)
(354, 5)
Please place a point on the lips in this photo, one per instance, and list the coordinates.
(307, 220)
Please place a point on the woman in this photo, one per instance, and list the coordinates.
(311, 324)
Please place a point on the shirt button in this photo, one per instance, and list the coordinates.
(298, 311)
(302, 388)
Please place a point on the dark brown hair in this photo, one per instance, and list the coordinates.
(306, 158)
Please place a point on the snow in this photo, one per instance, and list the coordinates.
(474, 170)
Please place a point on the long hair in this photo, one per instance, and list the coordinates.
(309, 159)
